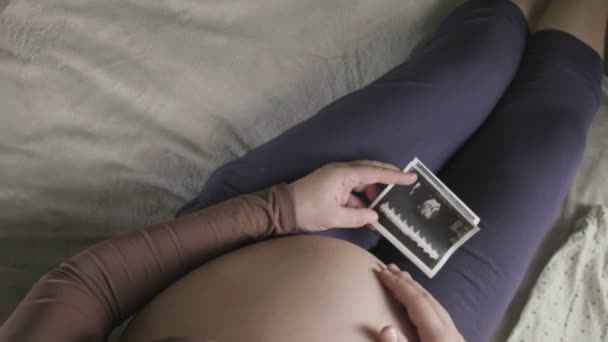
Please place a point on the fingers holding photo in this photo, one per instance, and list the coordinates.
(384, 174)
(364, 174)
(324, 199)
(378, 164)
(354, 217)
(372, 192)
(354, 202)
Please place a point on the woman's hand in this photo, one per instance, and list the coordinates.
(432, 321)
(324, 199)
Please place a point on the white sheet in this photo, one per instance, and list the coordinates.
(570, 299)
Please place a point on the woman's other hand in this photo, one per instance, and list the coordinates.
(324, 199)
(433, 323)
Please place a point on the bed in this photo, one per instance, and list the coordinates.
(114, 112)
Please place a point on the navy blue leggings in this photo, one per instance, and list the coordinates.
(500, 114)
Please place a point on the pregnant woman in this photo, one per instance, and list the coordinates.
(498, 101)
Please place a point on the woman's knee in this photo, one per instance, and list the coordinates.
(496, 24)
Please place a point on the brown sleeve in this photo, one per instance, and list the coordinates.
(85, 297)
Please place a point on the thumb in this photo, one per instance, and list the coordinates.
(355, 217)
(390, 334)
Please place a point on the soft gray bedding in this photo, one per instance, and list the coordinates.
(114, 112)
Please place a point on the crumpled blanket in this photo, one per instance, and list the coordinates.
(570, 299)
(113, 112)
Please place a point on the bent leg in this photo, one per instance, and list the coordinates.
(514, 173)
(426, 107)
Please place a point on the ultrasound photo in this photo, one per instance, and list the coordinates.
(424, 221)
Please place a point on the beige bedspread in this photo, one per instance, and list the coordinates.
(113, 112)
(570, 299)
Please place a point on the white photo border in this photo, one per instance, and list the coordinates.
(472, 219)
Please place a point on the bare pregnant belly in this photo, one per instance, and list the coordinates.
(304, 288)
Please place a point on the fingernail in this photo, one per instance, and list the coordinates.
(373, 216)
(392, 335)
(393, 268)
(386, 272)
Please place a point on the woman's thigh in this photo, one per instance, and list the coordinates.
(514, 173)
(426, 107)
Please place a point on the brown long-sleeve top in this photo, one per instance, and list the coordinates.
(96, 290)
